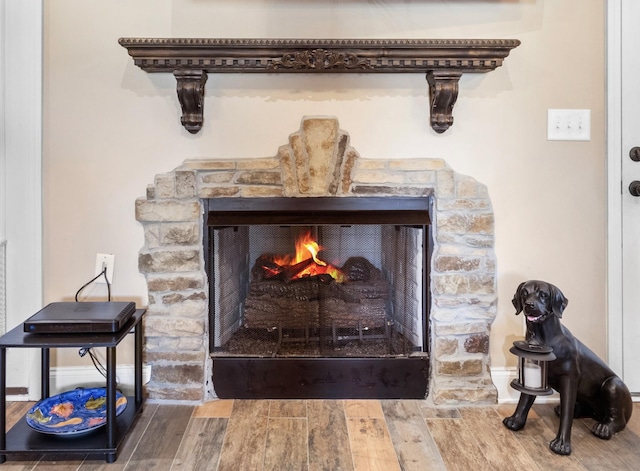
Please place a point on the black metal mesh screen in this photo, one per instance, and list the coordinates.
(267, 303)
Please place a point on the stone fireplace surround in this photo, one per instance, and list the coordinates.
(317, 161)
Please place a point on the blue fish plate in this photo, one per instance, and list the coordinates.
(73, 412)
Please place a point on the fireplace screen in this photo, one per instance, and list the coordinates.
(319, 290)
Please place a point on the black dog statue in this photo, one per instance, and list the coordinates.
(587, 386)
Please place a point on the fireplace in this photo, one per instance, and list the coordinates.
(424, 231)
(285, 323)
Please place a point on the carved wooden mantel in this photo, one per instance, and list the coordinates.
(443, 60)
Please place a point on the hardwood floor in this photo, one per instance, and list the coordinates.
(350, 435)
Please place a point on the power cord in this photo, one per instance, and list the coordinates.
(84, 350)
(102, 273)
(94, 359)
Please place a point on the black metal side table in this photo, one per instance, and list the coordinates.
(23, 440)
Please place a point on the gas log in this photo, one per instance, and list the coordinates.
(278, 299)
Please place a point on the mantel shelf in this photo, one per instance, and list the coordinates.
(442, 60)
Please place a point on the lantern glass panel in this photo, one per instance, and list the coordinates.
(532, 373)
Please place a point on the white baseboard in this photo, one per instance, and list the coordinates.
(502, 378)
(72, 377)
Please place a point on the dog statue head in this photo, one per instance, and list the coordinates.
(539, 300)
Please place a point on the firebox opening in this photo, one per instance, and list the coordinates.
(317, 278)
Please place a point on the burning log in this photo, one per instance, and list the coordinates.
(319, 287)
(287, 274)
(292, 313)
(277, 298)
(354, 269)
(265, 268)
(360, 269)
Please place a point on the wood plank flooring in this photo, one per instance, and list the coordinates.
(347, 435)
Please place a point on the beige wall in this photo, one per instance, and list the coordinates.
(110, 128)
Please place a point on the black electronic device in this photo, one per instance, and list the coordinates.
(80, 317)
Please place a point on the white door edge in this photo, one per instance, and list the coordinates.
(614, 182)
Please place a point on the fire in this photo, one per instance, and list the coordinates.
(307, 249)
(306, 245)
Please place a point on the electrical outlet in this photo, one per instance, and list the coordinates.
(105, 260)
(569, 125)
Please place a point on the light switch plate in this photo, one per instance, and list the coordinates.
(569, 125)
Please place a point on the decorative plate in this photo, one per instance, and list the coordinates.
(73, 412)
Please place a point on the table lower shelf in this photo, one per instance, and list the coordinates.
(23, 440)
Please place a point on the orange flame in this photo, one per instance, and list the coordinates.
(307, 247)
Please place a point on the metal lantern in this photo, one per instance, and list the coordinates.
(532, 368)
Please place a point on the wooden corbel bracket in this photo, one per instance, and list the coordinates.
(190, 88)
(443, 91)
(443, 60)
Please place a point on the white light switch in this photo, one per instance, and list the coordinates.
(569, 125)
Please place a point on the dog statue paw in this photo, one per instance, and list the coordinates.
(603, 431)
(587, 386)
(514, 423)
(560, 446)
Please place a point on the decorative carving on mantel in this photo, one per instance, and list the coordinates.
(442, 60)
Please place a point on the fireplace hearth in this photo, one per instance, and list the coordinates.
(208, 222)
